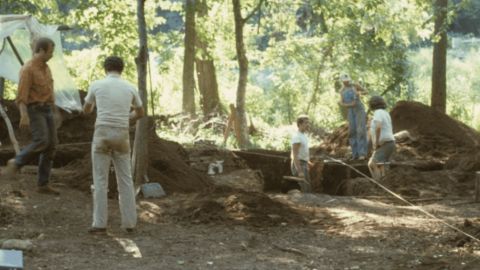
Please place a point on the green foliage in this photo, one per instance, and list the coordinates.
(296, 49)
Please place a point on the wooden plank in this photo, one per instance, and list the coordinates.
(293, 178)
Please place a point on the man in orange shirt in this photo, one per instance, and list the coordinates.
(36, 98)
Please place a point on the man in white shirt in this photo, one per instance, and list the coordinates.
(113, 97)
(300, 153)
(382, 137)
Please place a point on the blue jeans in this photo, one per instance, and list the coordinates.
(357, 131)
(44, 133)
(305, 187)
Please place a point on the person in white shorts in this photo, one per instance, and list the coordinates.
(382, 137)
(113, 97)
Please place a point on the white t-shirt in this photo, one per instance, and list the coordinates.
(113, 96)
(303, 153)
(386, 132)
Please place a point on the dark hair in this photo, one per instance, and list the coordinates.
(377, 102)
(302, 118)
(113, 63)
(44, 44)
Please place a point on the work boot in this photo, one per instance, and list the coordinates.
(11, 168)
(95, 230)
(47, 189)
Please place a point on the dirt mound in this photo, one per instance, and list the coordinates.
(468, 161)
(471, 227)
(403, 176)
(168, 166)
(357, 187)
(401, 180)
(422, 120)
(238, 207)
(5, 215)
(337, 145)
(434, 134)
(200, 158)
(247, 179)
(413, 184)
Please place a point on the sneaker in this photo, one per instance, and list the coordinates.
(94, 230)
(132, 230)
(11, 168)
(362, 157)
(47, 189)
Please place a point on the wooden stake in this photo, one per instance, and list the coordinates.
(229, 126)
(477, 188)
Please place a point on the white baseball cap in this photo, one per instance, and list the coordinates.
(344, 77)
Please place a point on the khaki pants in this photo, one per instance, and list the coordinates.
(112, 144)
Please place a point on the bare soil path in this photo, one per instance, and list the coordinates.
(229, 229)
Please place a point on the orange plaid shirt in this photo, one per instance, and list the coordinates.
(35, 83)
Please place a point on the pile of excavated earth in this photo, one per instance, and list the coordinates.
(436, 155)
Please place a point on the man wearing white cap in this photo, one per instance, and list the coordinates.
(357, 130)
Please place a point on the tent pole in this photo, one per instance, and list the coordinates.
(7, 120)
(15, 50)
(10, 130)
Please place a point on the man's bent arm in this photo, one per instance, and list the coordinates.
(137, 113)
(24, 118)
(87, 108)
(360, 89)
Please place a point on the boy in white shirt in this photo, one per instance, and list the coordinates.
(382, 137)
(300, 153)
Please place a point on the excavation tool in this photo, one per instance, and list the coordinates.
(151, 190)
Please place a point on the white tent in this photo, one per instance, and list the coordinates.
(24, 31)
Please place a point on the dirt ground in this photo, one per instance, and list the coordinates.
(233, 229)
(237, 220)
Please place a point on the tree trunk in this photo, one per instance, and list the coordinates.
(206, 73)
(313, 100)
(140, 156)
(439, 80)
(242, 80)
(188, 104)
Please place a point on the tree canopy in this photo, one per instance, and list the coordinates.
(295, 48)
